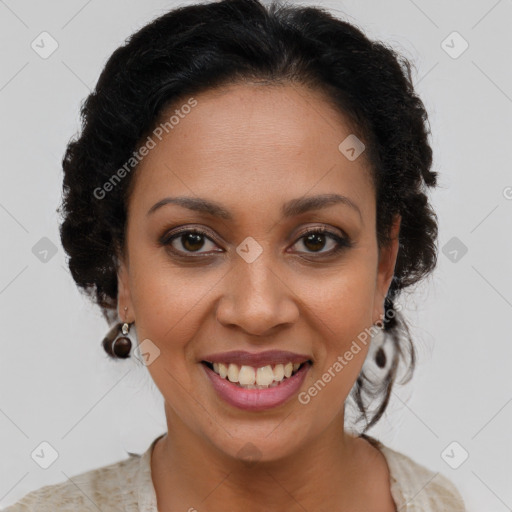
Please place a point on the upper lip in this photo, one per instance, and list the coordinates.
(257, 360)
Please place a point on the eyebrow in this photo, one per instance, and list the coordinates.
(289, 209)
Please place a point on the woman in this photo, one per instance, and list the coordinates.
(248, 194)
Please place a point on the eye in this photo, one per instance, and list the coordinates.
(315, 240)
(190, 241)
(187, 241)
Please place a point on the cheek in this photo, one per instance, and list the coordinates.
(343, 321)
(341, 310)
(167, 299)
(343, 302)
(169, 312)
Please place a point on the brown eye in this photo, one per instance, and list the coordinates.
(187, 241)
(314, 240)
(192, 241)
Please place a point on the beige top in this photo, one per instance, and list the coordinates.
(127, 486)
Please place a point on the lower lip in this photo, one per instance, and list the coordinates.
(257, 399)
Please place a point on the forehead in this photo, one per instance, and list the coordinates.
(250, 142)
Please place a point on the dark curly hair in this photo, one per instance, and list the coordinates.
(199, 47)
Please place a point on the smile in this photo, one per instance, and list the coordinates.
(256, 389)
(249, 377)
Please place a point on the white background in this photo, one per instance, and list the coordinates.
(56, 384)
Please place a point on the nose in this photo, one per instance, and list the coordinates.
(258, 298)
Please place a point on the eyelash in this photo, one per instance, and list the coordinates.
(342, 243)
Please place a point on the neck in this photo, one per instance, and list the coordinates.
(188, 472)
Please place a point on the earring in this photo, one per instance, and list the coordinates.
(116, 343)
(380, 356)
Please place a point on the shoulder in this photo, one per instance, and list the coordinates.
(415, 487)
(111, 487)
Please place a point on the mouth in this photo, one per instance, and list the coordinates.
(249, 377)
(260, 387)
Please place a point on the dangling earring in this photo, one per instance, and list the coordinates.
(116, 343)
(380, 358)
(380, 355)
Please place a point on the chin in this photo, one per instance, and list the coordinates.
(268, 442)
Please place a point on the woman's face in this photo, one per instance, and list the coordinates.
(255, 281)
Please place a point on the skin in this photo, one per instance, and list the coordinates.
(252, 148)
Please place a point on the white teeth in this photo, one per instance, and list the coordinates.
(233, 372)
(223, 370)
(278, 372)
(247, 375)
(264, 376)
(256, 378)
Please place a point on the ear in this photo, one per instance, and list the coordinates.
(124, 299)
(386, 269)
